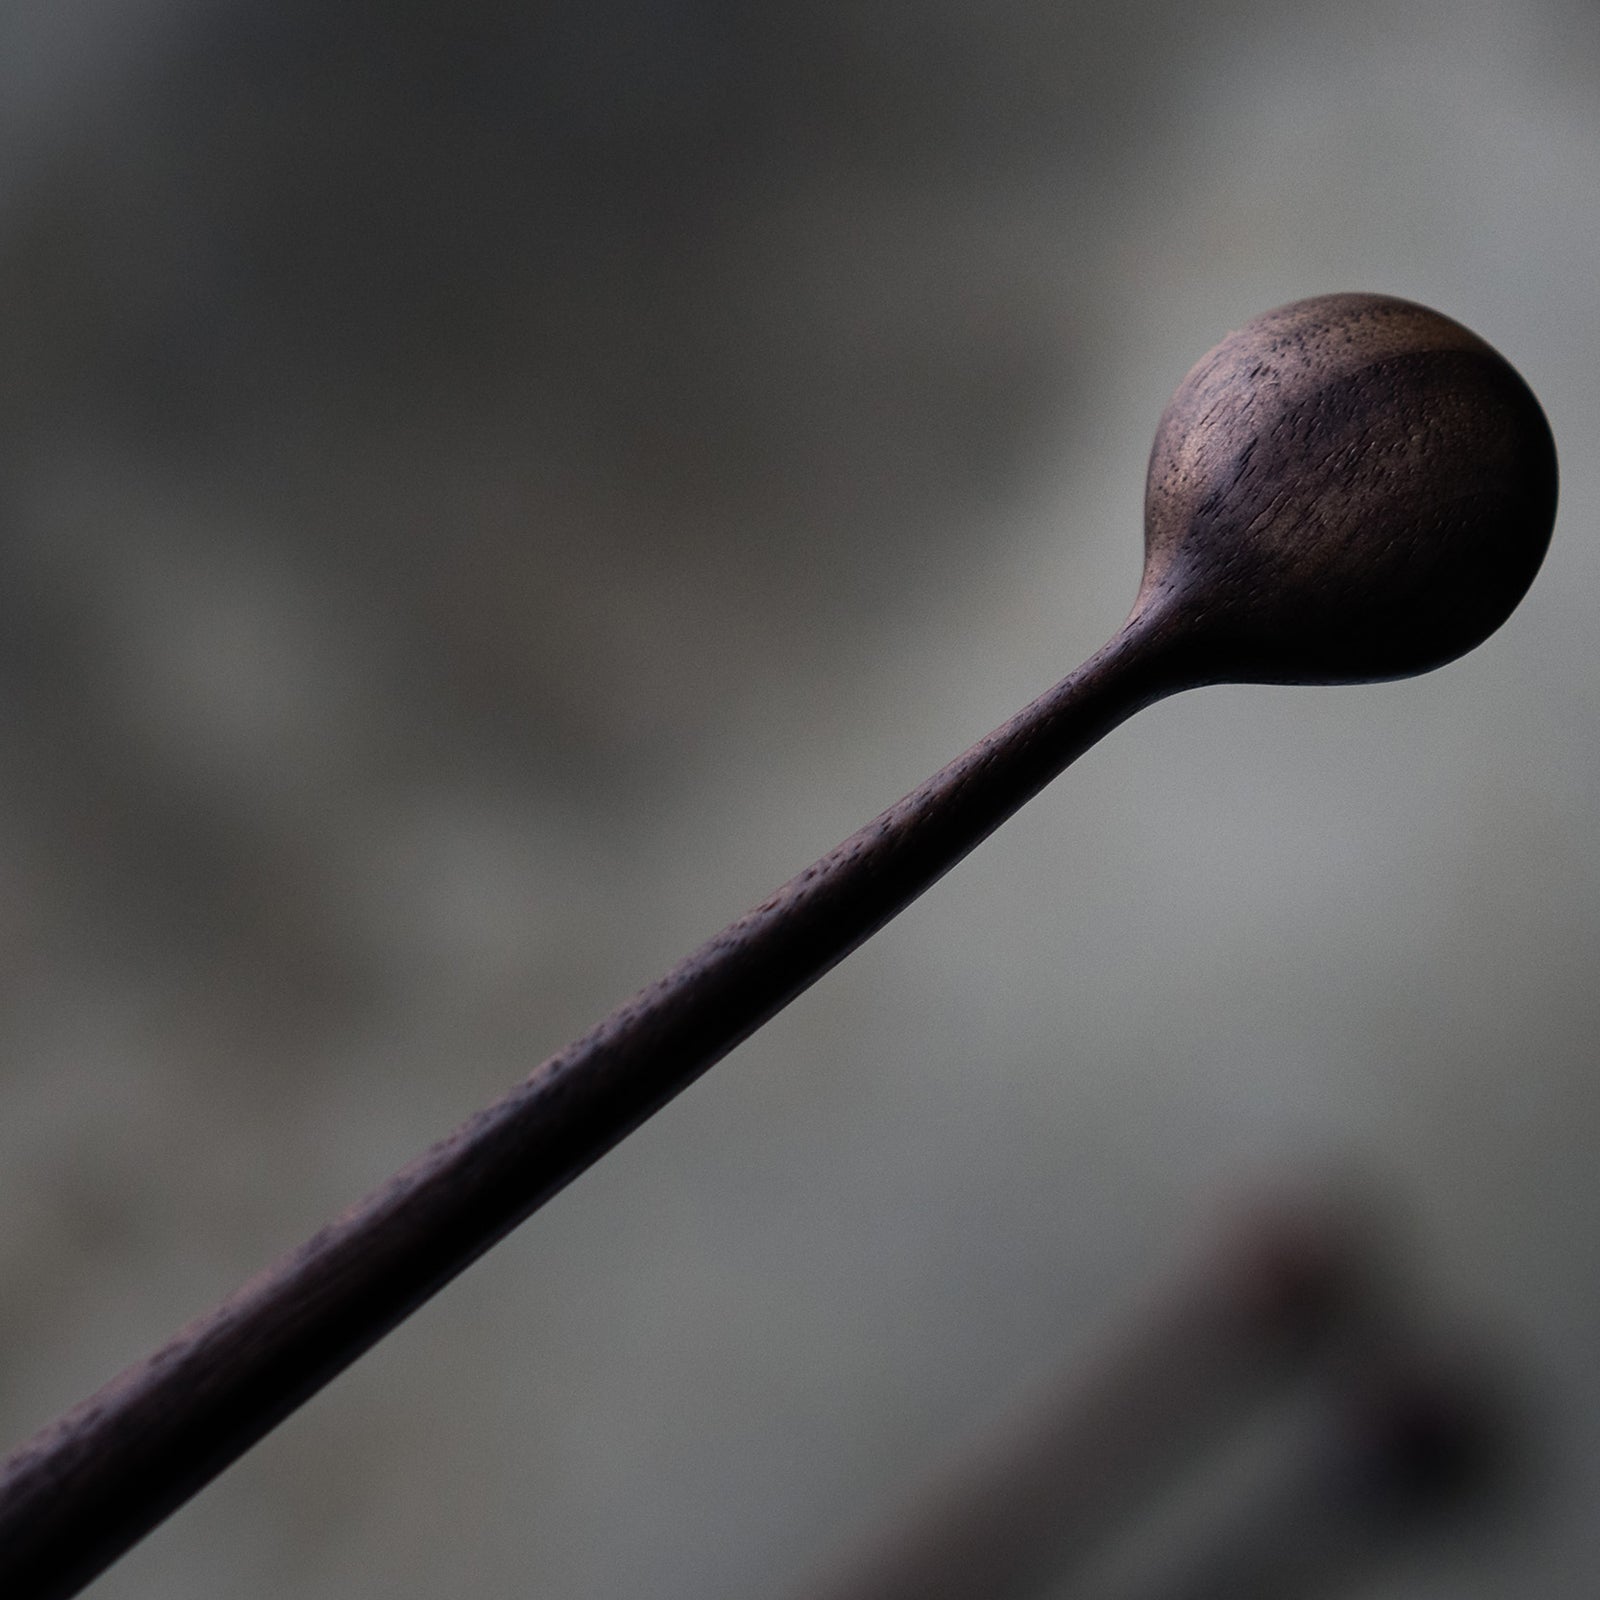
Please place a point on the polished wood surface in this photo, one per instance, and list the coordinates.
(1346, 488)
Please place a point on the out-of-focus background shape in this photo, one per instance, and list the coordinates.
(488, 490)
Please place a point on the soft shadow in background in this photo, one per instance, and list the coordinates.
(489, 490)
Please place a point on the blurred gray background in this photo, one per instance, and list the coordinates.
(488, 490)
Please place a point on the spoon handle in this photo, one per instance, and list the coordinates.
(93, 1483)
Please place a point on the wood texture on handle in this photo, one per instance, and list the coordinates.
(90, 1485)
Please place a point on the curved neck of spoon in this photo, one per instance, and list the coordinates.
(87, 1488)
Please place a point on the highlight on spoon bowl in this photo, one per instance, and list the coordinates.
(1346, 489)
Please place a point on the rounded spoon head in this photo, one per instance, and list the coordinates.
(1346, 489)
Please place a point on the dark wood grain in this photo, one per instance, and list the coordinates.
(1346, 488)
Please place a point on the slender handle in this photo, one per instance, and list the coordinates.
(87, 1487)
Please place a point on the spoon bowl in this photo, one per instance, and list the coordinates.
(1346, 489)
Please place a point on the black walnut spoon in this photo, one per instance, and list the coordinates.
(1347, 488)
